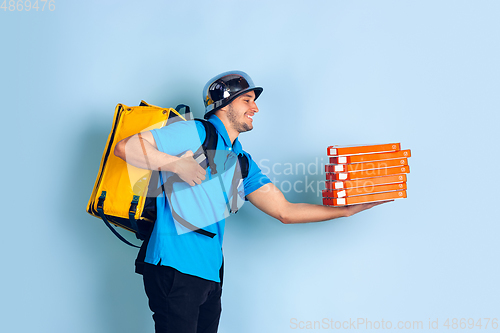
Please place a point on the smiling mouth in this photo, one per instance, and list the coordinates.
(249, 116)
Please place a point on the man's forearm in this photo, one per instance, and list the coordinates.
(304, 213)
(142, 154)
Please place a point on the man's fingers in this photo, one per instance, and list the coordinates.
(354, 209)
(198, 179)
(187, 154)
(380, 202)
(201, 176)
(373, 204)
(191, 172)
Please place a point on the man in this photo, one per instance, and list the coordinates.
(183, 270)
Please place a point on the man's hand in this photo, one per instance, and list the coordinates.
(188, 169)
(354, 209)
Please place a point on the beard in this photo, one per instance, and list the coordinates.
(238, 125)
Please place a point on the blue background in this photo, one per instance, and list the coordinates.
(423, 73)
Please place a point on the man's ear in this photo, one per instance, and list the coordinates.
(221, 111)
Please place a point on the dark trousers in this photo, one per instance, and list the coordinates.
(182, 303)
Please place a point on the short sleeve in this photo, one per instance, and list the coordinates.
(255, 179)
(179, 137)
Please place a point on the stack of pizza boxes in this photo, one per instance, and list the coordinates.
(365, 173)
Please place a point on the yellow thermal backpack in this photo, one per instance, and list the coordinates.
(125, 195)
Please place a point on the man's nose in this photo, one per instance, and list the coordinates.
(254, 107)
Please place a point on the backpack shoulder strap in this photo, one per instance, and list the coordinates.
(209, 145)
(244, 166)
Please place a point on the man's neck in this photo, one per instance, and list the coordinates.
(231, 132)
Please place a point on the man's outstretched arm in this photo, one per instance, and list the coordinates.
(271, 201)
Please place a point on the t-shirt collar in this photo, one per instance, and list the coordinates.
(221, 129)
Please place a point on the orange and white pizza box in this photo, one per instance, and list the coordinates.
(347, 201)
(366, 182)
(367, 173)
(363, 190)
(362, 149)
(365, 165)
(349, 159)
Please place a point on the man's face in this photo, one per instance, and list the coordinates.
(241, 111)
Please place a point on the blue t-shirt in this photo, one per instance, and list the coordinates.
(203, 205)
